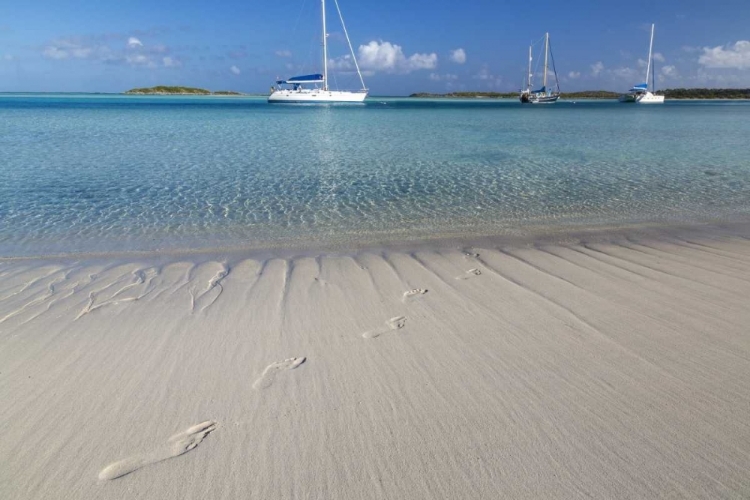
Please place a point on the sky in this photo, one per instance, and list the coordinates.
(402, 46)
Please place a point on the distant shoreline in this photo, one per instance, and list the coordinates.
(421, 95)
(167, 90)
(681, 94)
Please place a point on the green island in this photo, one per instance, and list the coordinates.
(167, 90)
(589, 94)
(603, 94)
(706, 93)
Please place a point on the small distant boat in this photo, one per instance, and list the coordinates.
(542, 95)
(640, 94)
(296, 90)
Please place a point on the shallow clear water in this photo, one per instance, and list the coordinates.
(101, 173)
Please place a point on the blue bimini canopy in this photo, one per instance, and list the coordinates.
(640, 86)
(542, 90)
(317, 78)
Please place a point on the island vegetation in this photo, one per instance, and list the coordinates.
(588, 94)
(603, 94)
(171, 90)
(706, 93)
(467, 95)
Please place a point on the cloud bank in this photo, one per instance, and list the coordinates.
(388, 57)
(100, 49)
(735, 56)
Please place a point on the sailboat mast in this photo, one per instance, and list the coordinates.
(546, 51)
(325, 46)
(650, 48)
(529, 73)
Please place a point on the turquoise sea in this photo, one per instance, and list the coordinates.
(99, 173)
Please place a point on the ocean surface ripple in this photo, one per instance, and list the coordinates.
(106, 173)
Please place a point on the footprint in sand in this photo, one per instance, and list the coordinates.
(392, 324)
(203, 297)
(469, 274)
(176, 446)
(413, 294)
(269, 374)
(471, 255)
(140, 285)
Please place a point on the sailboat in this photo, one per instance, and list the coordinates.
(542, 95)
(640, 93)
(314, 88)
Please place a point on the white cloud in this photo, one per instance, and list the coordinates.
(574, 74)
(626, 74)
(658, 57)
(82, 52)
(342, 63)
(735, 56)
(458, 56)
(669, 71)
(446, 77)
(235, 70)
(64, 49)
(597, 68)
(53, 52)
(703, 78)
(490, 80)
(93, 49)
(283, 53)
(385, 56)
(422, 61)
(170, 62)
(140, 60)
(345, 65)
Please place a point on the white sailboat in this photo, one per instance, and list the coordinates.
(640, 94)
(542, 95)
(296, 90)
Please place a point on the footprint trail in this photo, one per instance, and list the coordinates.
(141, 284)
(413, 294)
(391, 325)
(203, 297)
(272, 370)
(177, 445)
(470, 274)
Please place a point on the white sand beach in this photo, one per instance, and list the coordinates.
(615, 369)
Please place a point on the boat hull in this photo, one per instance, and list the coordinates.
(527, 98)
(315, 96)
(649, 98)
(642, 98)
(547, 99)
